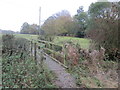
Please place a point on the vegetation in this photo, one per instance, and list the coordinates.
(100, 23)
(19, 69)
(27, 36)
(83, 42)
(29, 29)
(60, 23)
(92, 58)
(8, 32)
(19, 73)
(105, 28)
(85, 78)
(81, 18)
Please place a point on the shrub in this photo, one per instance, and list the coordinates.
(8, 42)
(12, 45)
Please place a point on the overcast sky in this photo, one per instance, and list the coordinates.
(13, 13)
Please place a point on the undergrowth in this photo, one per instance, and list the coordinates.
(19, 69)
(19, 73)
(84, 78)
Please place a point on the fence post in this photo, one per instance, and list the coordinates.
(31, 46)
(41, 57)
(35, 52)
(53, 47)
(64, 51)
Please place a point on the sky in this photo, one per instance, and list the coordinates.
(13, 13)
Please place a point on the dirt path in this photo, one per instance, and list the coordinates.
(64, 79)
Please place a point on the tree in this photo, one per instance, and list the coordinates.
(98, 9)
(60, 23)
(24, 28)
(34, 29)
(105, 30)
(29, 29)
(81, 18)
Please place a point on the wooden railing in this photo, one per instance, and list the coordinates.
(49, 49)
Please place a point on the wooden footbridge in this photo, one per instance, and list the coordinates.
(50, 54)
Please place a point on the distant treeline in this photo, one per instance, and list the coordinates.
(8, 32)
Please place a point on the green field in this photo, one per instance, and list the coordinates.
(27, 36)
(84, 43)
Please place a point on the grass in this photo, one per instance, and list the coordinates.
(26, 36)
(83, 42)
(83, 77)
(91, 82)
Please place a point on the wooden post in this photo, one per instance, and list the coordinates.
(64, 51)
(35, 51)
(41, 58)
(48, 45)
(31, 46)
(53, 47)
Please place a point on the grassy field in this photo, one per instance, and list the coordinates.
(84, 43)
(27, 36)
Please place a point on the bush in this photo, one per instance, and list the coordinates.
(12, 45)
(8, 42)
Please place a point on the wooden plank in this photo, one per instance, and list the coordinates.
(56, 60)
(52, 51)
(50, 43)
(45, 54)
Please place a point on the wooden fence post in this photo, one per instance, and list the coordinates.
(35, 53)
(41, 58)
(64, 51)
(53, 47)
(31, 46)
